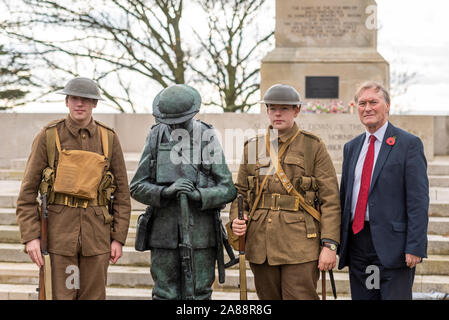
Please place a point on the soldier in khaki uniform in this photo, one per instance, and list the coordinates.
(82, 236)
(285, 245)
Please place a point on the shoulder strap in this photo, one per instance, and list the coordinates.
(110, 143)
(52, 140)
(273, 165)
(104, 141)
(288, 186)
(308, 156)
(107, 139)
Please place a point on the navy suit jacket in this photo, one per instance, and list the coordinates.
(398, 198)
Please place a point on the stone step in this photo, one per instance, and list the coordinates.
(439, 197)
(9, 234)
(131, 161)
(138, 277)
(438, 166)
(11, 174)
(439, 209)
(8, 216)
(9, 252)
(438, 244)
(8, 199)
(436, 208)
(12, 252)
(17, 174)
(437, 224)
(28, 292)
(435, 181)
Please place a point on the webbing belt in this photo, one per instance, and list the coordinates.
(276, 201)
(74, 202)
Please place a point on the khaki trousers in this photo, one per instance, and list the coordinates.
(79, 277)
(286, 282)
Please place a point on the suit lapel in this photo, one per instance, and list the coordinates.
(358, 143)
(384, 151)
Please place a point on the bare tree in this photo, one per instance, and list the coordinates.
(232, 48)
(15, 74)
(124, 44)
(401, 81)
(119, 40)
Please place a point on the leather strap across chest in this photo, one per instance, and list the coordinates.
(288, 186)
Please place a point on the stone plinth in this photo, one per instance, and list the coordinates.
(324, 38)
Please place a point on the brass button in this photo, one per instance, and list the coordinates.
(83, 136)
(269, 220)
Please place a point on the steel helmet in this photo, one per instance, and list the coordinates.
(176, 104)
(282, 94)
(82, 87)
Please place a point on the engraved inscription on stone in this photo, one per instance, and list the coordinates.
(334, 135)
(323, 23)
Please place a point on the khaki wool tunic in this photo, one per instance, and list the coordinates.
(279, 236)
(66, 225)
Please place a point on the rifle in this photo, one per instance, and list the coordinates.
(219, 236)
(323, 273)
(45, 285)
(111, 210)
(323, 285)
(186, 250)
(242, 264)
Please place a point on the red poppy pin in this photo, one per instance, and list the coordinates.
(391, 140)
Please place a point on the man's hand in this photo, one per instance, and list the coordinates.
(180, 185)
(412, 260)
(33, 248)
(239, 226)
(116, 251)
(327, 260)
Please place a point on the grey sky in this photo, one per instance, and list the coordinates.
(413, 37)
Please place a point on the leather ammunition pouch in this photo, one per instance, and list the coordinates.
(310, 188)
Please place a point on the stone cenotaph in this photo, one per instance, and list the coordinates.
(325, 48)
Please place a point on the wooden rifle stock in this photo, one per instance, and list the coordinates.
(45, 290)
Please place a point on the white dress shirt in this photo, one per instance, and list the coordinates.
(379, 134)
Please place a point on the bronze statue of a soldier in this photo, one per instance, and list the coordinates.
(182, 175)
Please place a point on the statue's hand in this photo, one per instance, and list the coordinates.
(180, 185)
(195, 195)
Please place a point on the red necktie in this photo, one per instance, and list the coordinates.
(360, 209)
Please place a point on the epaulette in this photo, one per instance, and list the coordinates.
(311, 135)
(103, 125)
(53, 123)
(254, 139)
(206, 124)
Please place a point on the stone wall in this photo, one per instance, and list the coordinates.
(18, 130)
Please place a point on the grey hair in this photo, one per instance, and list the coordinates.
(372, 85)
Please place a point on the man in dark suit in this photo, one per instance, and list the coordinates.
(384, 196)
